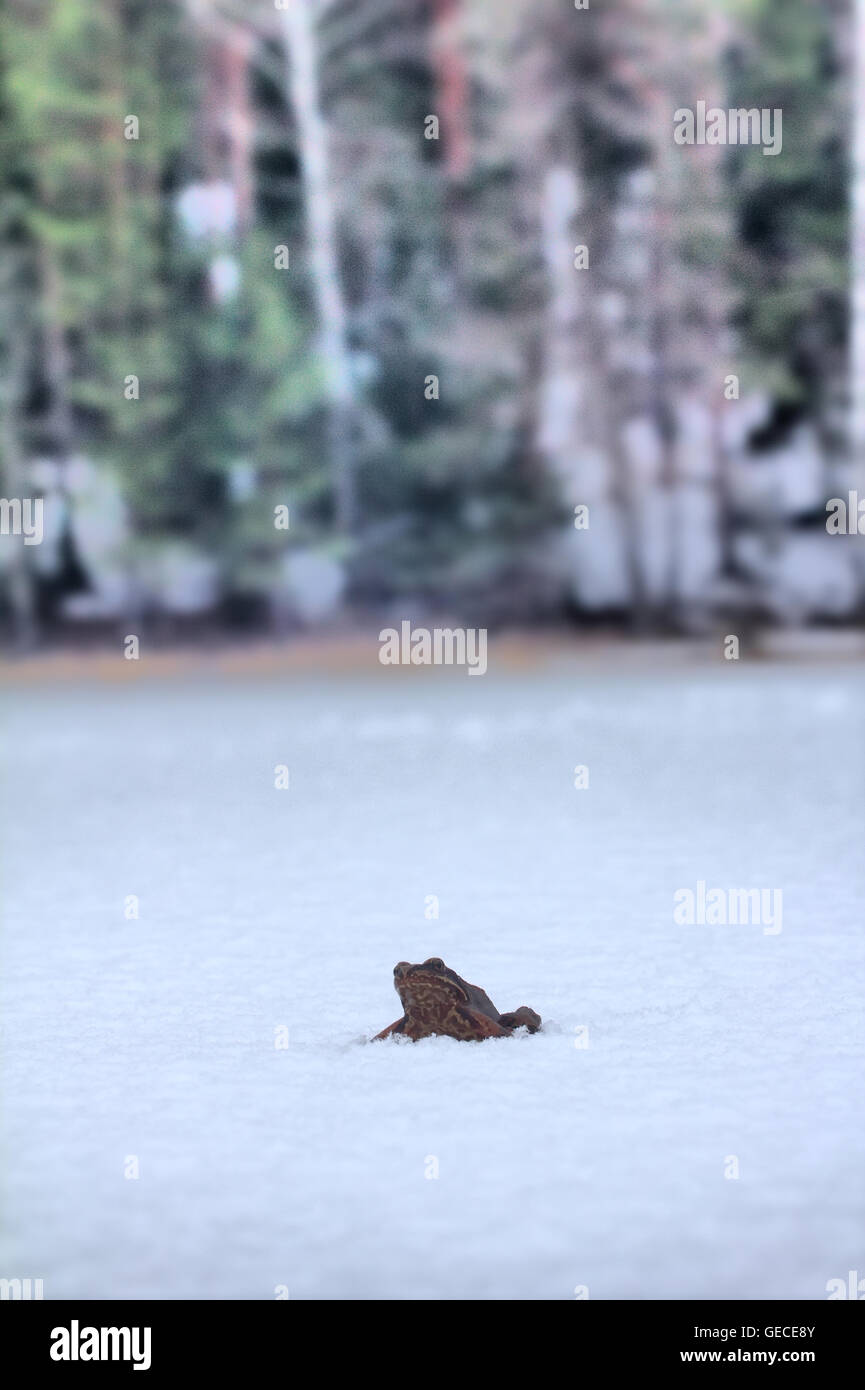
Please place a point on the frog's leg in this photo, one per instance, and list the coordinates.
(474, 1026)
(480, 1000)
(522, 1017)
(398, 1027)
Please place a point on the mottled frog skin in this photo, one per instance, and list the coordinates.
(437, 1000)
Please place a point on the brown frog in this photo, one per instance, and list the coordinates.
(438, 1000)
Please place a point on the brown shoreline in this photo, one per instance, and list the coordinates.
(356, 653)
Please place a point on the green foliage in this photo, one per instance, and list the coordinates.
(792, 210)
(219, 383)
(100, 281)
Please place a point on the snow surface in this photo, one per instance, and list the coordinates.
(559, 1166)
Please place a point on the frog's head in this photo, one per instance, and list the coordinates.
(431, 984)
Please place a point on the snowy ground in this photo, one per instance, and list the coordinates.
(558, 1165)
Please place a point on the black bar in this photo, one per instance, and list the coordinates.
(222, 1339)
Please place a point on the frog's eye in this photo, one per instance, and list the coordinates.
(434, 963)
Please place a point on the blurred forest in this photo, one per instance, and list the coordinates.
(291, 328)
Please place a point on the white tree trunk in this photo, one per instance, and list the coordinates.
(579, 428)
(298, 30)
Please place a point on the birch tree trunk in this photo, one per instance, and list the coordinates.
(718, 339)
(688, 299)
(298, 31)
(580, 429)
(578, 435)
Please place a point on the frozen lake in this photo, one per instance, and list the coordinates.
(156, 1042)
